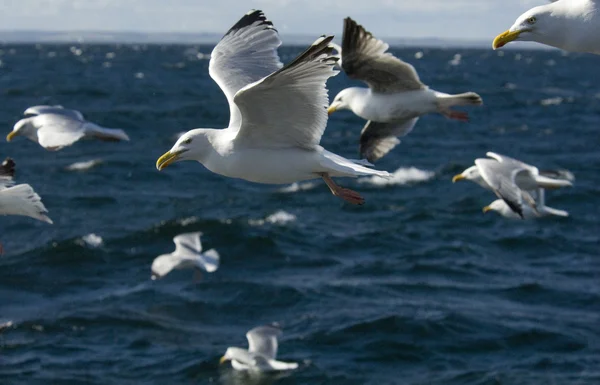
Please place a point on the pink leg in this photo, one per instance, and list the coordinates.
(457, 115)
(348, 195)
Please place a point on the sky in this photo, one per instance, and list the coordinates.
(446, 19)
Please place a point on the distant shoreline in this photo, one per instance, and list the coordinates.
(97, 37)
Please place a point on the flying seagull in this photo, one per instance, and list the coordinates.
(277, 114)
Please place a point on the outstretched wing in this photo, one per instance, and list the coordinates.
(263, 340)
(288, 108)
(246, 54)
(364, 57)
(60, 110)
(377, 139)
(57, 131)
(511, 161)
(188, 244)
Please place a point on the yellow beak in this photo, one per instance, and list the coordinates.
(167, 158)
(505, 38)
(331, 110)
(486, 209)
(11, 135)
(222, 360)
(458, 177)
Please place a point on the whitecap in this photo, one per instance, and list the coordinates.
(187, 221)
(401, 176)
(6, 325)
(456, 60)
(295, 187)
(92, 240)
(552, 101)
(82, 166)
(279, 217)
(419, 55)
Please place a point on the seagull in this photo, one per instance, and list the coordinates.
(500, 206)
(277, 114)
(55, 127)
(187, 254)
(571, 25)
(395, 98)
(19, 199)
(511, 180)
(261, 353)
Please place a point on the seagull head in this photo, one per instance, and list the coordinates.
(498, 205)
(342, 100)
(23, 127)
(472, 173)
(193, 145)
(238, 354)
(534, 25)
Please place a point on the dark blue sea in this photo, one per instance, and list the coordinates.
(417, 286)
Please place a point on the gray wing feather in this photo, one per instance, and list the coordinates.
(246, 54)
(501, 177)
(289, 107)
(365, 58)
(263, 340)
(377, 139)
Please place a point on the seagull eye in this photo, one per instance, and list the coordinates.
(188, 141)
(532, 20)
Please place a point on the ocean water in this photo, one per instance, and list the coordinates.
(417, 286)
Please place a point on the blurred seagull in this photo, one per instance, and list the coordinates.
(513, 181)
(261, 353)
(277, 114)
(395, 98)
(55, 127)
(187, 255)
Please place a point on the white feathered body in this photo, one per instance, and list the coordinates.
(391, 107)
(400, 106)
(279, 165)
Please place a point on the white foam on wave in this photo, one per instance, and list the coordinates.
(401, 176)
(187, 221)
(82, 166)
(552, 101)
(295, 187)
(6, 325)
(279, 217)
(92, 240)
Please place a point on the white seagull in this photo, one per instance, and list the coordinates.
(571, 25)
(187, 255)
(261, 353)
(277, 114)
(54, 127)
(19, 199)
(512, 181)
(395, 98)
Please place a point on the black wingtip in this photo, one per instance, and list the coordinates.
(253, 16)
(8, 167)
